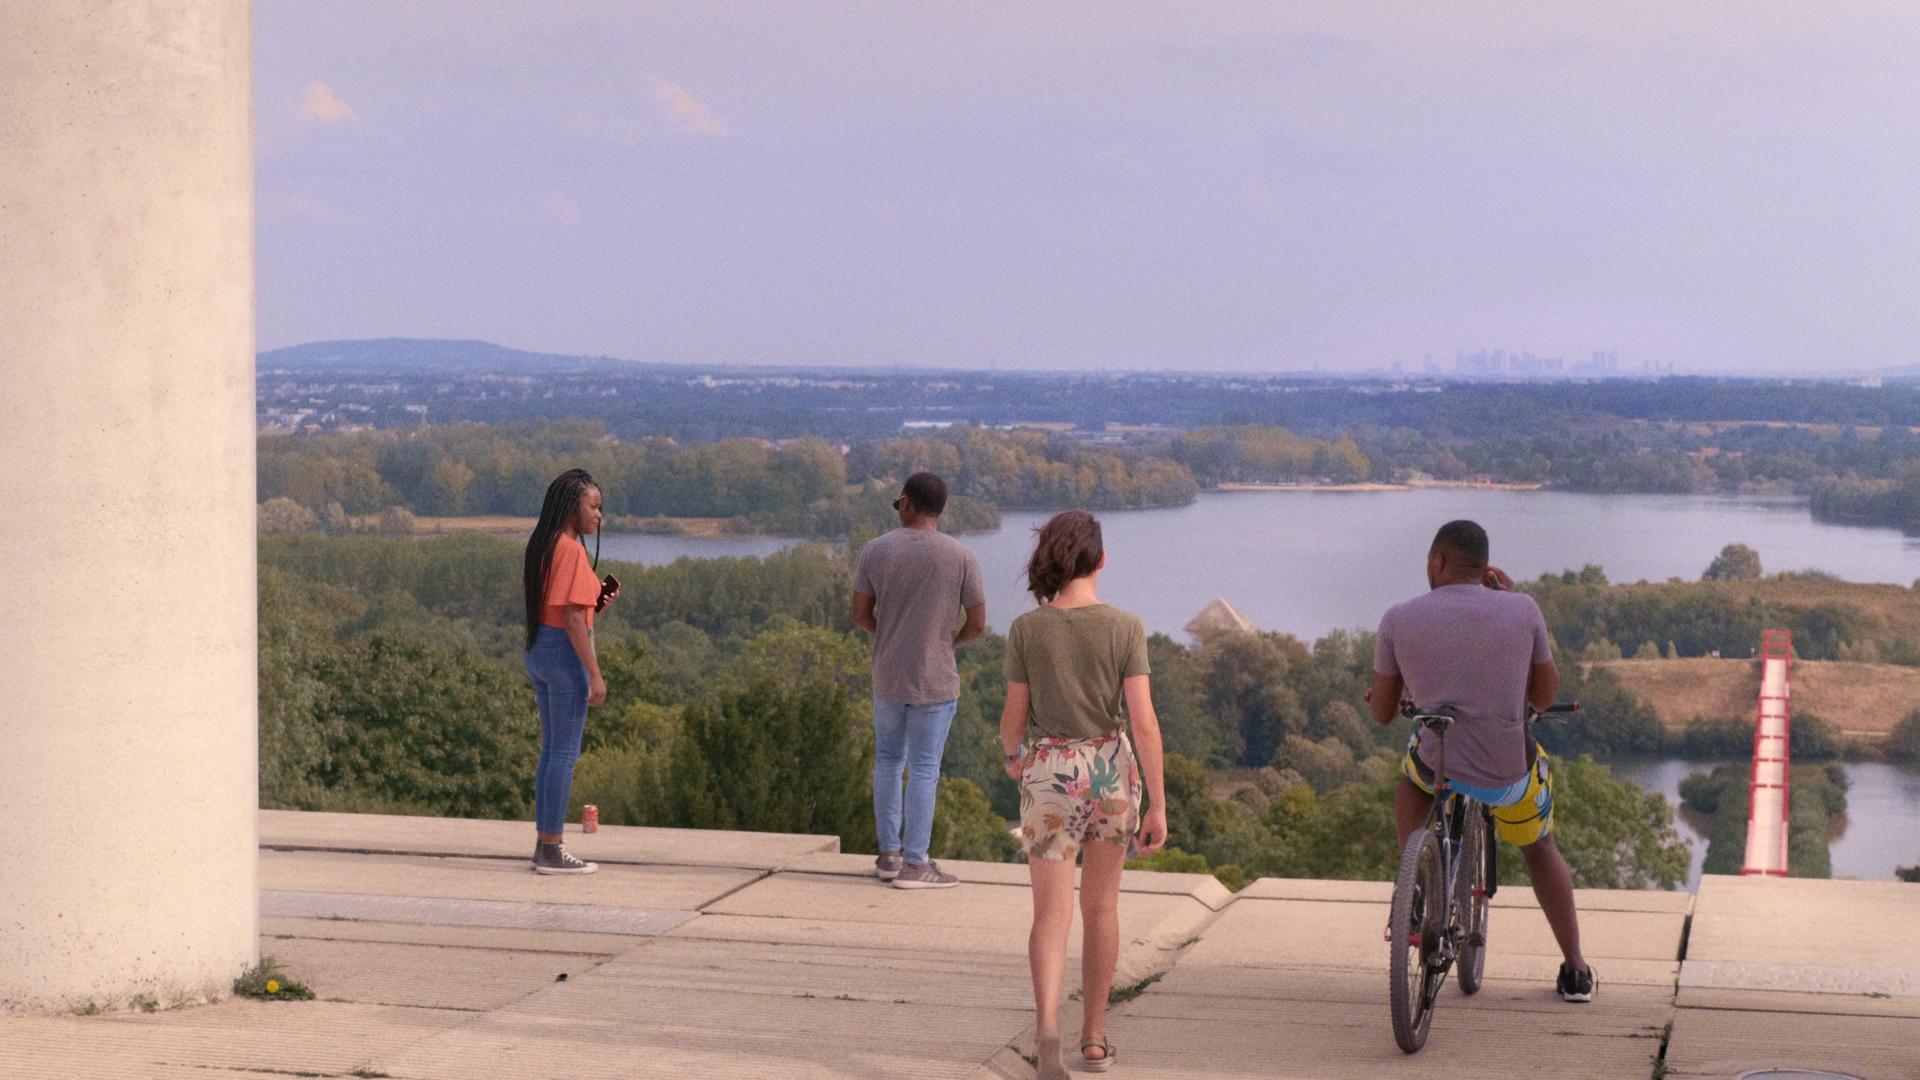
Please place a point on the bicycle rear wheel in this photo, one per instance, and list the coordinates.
(1415, 924)
(1470, 899)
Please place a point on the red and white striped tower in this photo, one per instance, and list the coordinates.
(1768, 796)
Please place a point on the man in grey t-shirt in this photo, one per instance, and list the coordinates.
(910, 589)
(1475, 645)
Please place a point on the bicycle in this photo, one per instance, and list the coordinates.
(1441, 897)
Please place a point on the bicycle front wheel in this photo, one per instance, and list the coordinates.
(1415, 924)
(1470, 899)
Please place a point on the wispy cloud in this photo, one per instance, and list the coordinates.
(322, 104)
(560, 208)
(692, 115)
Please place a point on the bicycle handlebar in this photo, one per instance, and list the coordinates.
(1445, 715)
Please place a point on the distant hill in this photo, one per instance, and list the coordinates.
(416, 356)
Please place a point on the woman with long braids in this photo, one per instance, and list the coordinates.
(1076, 683)
(562, 593)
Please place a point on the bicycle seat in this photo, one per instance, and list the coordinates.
(1438, 719)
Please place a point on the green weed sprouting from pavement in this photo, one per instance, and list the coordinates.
(267, 982)
(1121, 994)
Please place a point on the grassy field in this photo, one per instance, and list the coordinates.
(1863, 700)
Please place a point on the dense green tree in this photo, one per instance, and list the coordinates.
(965, 825)
(409, 726)
(1614, 834)
(779, 755)
(1736, 562)
(1179, 702)
(1248, 695)
(1611, 719)
(1325, 765)
(282, 515)
(1903, 742)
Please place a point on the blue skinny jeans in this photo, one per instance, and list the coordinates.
(560, 688)
(909, 738)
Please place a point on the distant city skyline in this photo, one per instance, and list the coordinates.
(1714, 188)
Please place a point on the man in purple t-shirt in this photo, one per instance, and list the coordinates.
(1474, 644)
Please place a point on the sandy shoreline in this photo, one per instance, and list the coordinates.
(522, 527)
(1370, 485)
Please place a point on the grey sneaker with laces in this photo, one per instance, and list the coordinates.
(924, 875)
(556, 859)
(887, 866)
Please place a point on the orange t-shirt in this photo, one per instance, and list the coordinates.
(570, 580)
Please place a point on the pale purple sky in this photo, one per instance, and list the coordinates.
(1259, 186)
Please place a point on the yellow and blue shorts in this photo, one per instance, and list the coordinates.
(1522, 810)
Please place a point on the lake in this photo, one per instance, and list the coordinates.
(1876, 835)
(1307, 562)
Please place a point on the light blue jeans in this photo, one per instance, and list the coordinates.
(910, 738)
(560, 689)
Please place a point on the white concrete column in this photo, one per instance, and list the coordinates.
(128, 738)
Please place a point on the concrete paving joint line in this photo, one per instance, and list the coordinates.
(441, 911)
(1142, 961)
(1686, 929)
(745, 884)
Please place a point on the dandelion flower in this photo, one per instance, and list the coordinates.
(273, 986)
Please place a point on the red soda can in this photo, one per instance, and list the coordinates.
(589, 818)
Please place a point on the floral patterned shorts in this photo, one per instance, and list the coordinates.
(1076, 790)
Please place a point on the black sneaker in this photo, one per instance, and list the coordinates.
(1576, 986)
(556, 859)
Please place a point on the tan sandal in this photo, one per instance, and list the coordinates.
(1099, 1064)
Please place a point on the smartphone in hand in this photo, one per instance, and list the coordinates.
(607, 588)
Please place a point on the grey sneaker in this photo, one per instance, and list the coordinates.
(556, 859)
(887, 866)
(924, 875)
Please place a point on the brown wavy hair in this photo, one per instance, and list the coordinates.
(1068, 547)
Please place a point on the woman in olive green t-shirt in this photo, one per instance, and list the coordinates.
(1076, 683)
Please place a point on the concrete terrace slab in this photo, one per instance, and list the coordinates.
(1291, 981)
(1787, 922)
(276, 928)
(817, 1011)
(670, 887)
(1381, 892)
(995, 908)
(853, 911)
(1307, 1043)
(1796, 973)
(383, 973)
(1717, 1044)
(502, 914)
(513, 839)
(291, 1038)
(1798, 1002)
(1628, 947)
(1202, 887)
(437, 954)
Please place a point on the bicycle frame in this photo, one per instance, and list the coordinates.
(1446, 819)
(1431, 925)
